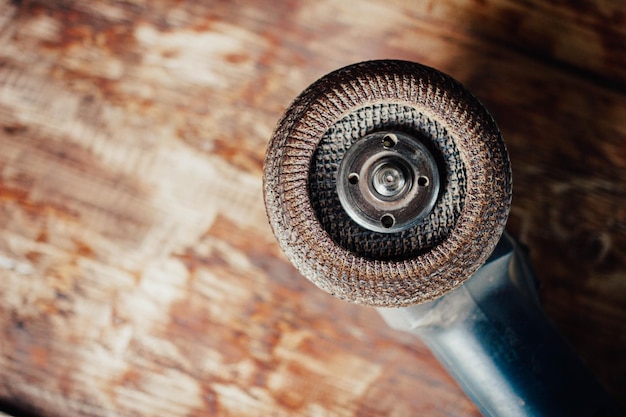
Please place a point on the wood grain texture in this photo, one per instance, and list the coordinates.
(138, 275)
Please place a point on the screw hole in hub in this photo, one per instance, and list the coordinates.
(387, 221)
(389, 141)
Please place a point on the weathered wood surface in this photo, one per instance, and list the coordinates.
(138, 276)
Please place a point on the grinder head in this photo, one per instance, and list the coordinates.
(387, 183)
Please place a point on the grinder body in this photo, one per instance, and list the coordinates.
(493, 337)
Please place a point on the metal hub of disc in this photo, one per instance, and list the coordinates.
(388, 181)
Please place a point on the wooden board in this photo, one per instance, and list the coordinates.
(138, 276)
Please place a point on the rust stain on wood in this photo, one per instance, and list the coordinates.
(34, 208)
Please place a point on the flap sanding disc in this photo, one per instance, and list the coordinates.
(387, 183)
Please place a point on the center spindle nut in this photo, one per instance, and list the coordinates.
(388, 181)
